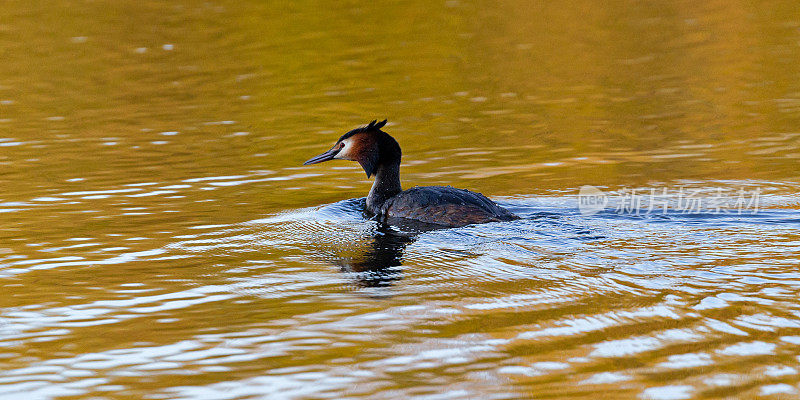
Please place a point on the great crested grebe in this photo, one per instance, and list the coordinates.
(379, 155)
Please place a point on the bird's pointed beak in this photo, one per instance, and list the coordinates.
(326, 156)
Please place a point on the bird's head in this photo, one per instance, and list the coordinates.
(368, 145)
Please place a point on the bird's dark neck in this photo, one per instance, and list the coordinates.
(386, 185)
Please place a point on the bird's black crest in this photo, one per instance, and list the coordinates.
(372, 126)
(376, 125)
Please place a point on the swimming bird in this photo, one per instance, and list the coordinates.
(379, 154)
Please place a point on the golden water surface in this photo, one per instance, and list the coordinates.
(159, 238)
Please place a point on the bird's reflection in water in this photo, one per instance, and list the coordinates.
(378, 263)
